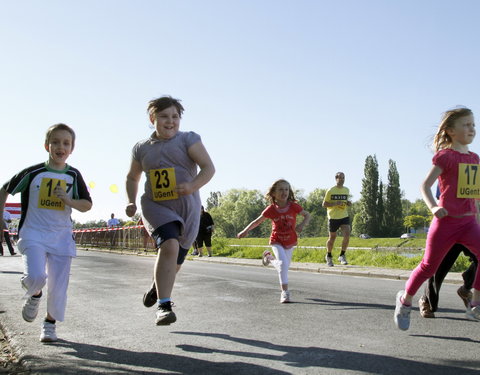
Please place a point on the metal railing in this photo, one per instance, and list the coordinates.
(131, 237)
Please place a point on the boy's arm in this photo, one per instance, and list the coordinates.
(133, 178)
(82, 205)
(200, 156)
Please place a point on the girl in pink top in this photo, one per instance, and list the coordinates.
(283, 212)
(454, 216)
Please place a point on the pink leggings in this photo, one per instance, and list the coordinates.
(443, 234)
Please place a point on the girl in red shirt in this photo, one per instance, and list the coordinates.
(283, 212)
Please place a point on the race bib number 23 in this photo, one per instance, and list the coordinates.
(468, 181)
(46, 198)
(163, 182)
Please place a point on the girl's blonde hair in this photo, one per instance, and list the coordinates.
(269, 196)
(442, 140)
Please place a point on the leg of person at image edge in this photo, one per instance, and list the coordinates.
(8, 242)
(443, 235)
(35, 278)
(428, 303)
(281, 262)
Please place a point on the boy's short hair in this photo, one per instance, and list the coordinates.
(164, 102)
(60, 126)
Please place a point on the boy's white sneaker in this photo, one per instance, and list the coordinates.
(48, 332)
(402, 313)
(30, 308)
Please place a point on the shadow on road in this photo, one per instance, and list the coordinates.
(100, 360)
(305, 357)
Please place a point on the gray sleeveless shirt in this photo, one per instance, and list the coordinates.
(166, 163)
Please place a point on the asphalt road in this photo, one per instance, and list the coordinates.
(230, 321)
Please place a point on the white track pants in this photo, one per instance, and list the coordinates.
(282, 263)
(40, 268)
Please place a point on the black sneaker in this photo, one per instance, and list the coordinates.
(165, 315)
(150, 297)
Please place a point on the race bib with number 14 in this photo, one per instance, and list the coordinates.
(46, 198)
(468, 181)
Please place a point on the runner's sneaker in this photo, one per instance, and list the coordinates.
(285, 296)
(48, 332)
(267, 257)
(150, 297)
(165, 315)
(402, 313)
(30, 308)
(472, 313)
(329, 261)
(343, 260)
(465, 295)
(425, 309)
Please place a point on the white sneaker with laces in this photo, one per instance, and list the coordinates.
(48, 332)
(402, 313)
(343, 260)
(30, 308)
(285, 296)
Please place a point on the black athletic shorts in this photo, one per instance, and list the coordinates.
(204, 237)
(167, 232)
(334, 224)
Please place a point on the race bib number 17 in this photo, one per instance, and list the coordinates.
(468, 181)
(47, 199)
(163, 182)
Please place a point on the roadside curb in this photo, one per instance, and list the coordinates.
(349, 270)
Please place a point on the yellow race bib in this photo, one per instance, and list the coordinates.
(163, 182)
(46, 198)
(468, 181)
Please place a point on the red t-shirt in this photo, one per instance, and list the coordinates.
(448, 160)
(284, 221)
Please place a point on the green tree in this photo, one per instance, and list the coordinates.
(313, 205)
(213, 200)
(393, 204)
(414, 222)
(382, 228)
(236, 208)
(367, 221)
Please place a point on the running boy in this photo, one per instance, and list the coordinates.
(49, 191)
(171, 201)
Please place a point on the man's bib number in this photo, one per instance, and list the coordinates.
(46, 198)
(163, 183)
(468, 181)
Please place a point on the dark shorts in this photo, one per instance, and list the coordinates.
(335, 224)
(167, 232)
(204, 237)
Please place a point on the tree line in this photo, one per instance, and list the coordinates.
(381, 210)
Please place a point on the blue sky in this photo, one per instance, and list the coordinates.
(277, 89)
